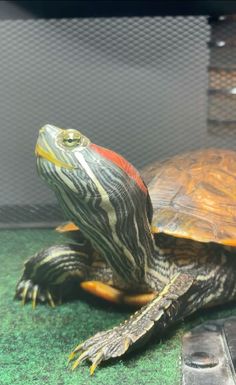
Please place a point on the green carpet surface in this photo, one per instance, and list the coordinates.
(35, 344)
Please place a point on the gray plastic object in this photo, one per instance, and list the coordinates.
(209, 353)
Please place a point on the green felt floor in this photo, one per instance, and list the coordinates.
(34, 345)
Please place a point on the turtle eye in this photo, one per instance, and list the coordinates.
(71, 138)
(69, 142)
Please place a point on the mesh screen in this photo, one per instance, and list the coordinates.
(136, 85)
(222, 77)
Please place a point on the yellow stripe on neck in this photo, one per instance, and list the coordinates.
(39, 151)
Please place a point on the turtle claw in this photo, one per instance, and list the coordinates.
(96, 362)
(81, 358)
(34, 296)
(101, 347)
(74, 352)
(25, 292)
(50, 299)
(28, 291)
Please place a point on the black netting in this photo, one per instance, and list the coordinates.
(136, 85)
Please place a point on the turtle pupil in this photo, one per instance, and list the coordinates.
(70, 140)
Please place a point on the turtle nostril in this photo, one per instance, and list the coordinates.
(42, 130)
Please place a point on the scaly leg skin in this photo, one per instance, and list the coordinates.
(167, 307)
(52, 267)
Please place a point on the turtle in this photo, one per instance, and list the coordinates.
(163, 239)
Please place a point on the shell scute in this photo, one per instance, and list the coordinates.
(194, 195)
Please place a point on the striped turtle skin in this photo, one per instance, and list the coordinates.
(138, 235)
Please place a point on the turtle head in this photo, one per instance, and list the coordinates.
(59, 146)
(98, 189)
(69, 153)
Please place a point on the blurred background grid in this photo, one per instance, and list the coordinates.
(222, 77)
(137, 85)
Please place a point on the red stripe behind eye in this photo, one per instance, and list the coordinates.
(122, 163)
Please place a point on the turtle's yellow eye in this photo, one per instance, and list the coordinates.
(71, 142)
(71, 138)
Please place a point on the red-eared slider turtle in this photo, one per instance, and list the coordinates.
(171, 242)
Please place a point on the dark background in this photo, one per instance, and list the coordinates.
(58, 9)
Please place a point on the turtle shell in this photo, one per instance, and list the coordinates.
(194, 195)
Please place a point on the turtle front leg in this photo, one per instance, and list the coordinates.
(167, 307)
(46, 272)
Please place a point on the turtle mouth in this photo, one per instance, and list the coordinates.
(40, 152)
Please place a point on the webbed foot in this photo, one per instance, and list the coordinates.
(48, 270)
(104, 345)
(168, 306)
(26, 291)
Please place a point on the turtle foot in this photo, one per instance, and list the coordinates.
(104, 345)
(26, 291)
